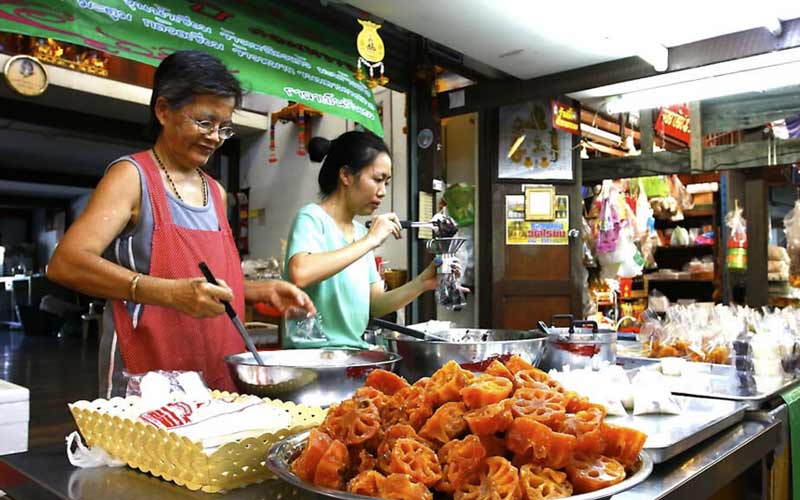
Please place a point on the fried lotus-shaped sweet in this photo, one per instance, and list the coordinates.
(498, 369)
(402, 487)
(306, 464)
(545, 406)
(410, 405)
(372, 395)
(622, 443)
(368, 483)
(411, 457)
(490, 419)
(446, 383)
(332, 466)
(391, 435)
(515, 364)
(531, 377)
(362, 460)
(486, 390)
(447, 423)
(543, 483)
(497, 480)
(352, 421)
(385, 381)
(587, 473)
(586, 427)
(459, 460)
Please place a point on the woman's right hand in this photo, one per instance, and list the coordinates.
(200, 299)
(382, 226)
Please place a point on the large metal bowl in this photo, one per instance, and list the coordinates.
(313, 377)
(422, 358)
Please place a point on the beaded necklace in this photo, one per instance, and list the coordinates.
(172, 184)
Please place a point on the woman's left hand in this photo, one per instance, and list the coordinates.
(428, 276)
(286, 298)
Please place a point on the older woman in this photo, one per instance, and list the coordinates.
(153, 217)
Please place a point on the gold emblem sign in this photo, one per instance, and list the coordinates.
(371, 52)
(369, 43)
(25, 75)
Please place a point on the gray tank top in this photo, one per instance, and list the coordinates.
(131, 249)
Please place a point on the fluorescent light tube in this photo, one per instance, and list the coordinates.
(754, 80)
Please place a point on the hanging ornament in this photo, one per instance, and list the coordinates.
(371, 52)
(301, 132)
(273, 157)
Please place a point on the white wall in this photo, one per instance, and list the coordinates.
(282, 188)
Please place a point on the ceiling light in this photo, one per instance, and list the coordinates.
(753, 80)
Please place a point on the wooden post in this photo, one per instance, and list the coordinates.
(756, 212)
(646, 131)
(695, 137)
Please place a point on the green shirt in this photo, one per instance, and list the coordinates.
(342, 299)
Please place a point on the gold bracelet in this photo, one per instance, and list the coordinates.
(134, 283)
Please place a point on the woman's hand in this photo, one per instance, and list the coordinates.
(382, 226)
(428, 276)
(198, 298)
(289, 300)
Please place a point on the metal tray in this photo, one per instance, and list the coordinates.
(283, 452)
(707, 380)
(669, 435)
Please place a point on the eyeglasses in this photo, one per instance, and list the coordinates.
(208, 127)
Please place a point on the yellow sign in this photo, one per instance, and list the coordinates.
(524, 232)
(371, 52)
(25, 75)
(369, 43)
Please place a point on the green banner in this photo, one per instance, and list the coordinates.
(271, 49)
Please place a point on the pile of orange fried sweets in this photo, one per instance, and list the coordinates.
(511, 433)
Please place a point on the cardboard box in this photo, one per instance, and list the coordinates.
(14, 418)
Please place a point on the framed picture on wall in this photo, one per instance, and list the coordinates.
(540, 203)
(530, 147)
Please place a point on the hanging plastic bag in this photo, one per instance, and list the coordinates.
(737, 240)
(460, 199)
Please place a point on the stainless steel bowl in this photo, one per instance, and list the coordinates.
(422, 358)
(314, 377)
(282, 454)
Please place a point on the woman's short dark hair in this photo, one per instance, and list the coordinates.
(352, 150)
(185, 74)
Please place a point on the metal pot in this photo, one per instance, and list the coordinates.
(579, 345)
(421, 357)
(313, 377)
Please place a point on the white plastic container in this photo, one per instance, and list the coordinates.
(14, 418)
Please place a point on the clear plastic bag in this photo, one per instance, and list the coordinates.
(307, 329)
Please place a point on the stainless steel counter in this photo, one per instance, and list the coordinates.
(696, 473)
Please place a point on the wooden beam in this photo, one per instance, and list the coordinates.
(605, 149)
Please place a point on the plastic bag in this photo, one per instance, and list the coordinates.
(791, 225)
(80, 455)
(609, 227)
(157, 388)
(650, 394)
(460, 199)
(307, 330)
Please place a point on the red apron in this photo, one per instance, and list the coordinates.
(165, 339)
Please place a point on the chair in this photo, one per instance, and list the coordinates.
(93, 315)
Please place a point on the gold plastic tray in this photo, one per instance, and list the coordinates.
(113, 425)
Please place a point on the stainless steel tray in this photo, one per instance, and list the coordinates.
(707, 380)
(283, 452)
(669, 435)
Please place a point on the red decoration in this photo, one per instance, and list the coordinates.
(273, 157)
(301, 134)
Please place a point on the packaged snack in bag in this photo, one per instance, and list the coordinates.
(737, 240)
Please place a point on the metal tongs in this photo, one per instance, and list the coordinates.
(442, 225)
(233, 316)
(406, 330)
